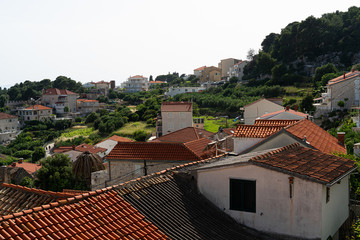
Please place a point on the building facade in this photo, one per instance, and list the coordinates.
(35, 113)
(9, 127)
(225, 65)
(136, 84)
(60, 99)
(237, 70)
(172, 91)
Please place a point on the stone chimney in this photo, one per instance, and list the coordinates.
(341, 138)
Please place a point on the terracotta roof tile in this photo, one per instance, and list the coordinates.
(176, 107)
(31, 168)
(160, 151)
(349, 75)
(300, 114)
(56, 91)
(315, 136)
(306, 162)
(184, 135)
(255, 131)
(274, 122)
(118, 139)
(90, 148)
(38, 107)
(137, 76)
(200, 68)
(6, 116)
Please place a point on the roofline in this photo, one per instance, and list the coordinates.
(341, 177)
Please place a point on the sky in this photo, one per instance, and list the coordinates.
(92, 40)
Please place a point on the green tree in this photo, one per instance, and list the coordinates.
(55, 174)
(38, 154)
(140, 135)
(66, 109)
(321, 71)
(306, 103)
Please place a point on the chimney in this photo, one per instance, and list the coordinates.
(341, 138)
(353, 70)
(344, 75)
(287, 108)
(73, 147)
(296, 107)
(20, 160)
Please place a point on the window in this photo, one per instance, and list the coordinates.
(327, 194)
(243, 195)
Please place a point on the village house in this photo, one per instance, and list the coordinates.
(9, 127)
(267, 134)
(225, 65)
(210, 74)
(74, 151)
(198, 71)
(111, 142)
(237, 70)
(17, 171)
(87, 106)
(153, 84)
(60, 99)
(174, 116)
(291, 192)
(184, 135)
(345, 88)
(172, 91)
(136, 84)
(35, 113)
(260, 107)
(129, 160)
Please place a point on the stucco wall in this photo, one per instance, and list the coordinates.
(276, 212)
(336, 211)
(178, 120)
(342, 90)
(258, 109)
(241, 144)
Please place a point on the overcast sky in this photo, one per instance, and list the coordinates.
(90, 40)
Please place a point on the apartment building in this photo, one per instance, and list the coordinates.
(136, 84)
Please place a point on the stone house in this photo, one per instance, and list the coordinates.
(136, 84)
(225, 65)
(292, 192)
(58, 99)
(35, 112)
(9, 127)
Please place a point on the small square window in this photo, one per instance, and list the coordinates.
(243, 195)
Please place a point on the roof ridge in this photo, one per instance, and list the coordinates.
(297, 122)
(35, 190)
(278, 150)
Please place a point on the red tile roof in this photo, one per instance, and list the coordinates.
(304, 115)
(198, 146)
(305, 162)
(153, 82)
(38, 107)
(137, 76)
(31, 168)
(92, 149)
(176, 107)
(341, 78)
(274, 122)
(184, 135)
(101, 215)
(6, 116)
(118, 139)
(56, 91)
(255, 131)
(200, 68)
(63, 149)
(315, 136)
(86, 100)
(159, 151)
(229, 131)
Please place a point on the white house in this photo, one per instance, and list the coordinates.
(260, 107)
(111, 142)
(178, 90)
(9, 127)
(237, 70)
(283, 192)
(136, 84)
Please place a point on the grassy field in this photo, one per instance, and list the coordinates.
(212, 124)
(129, 128)
(76, 132)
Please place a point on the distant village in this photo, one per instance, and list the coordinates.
(275, 175)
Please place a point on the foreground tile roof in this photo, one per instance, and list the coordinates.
(176, 107)
(38, 107)
(300, 114)
(6, 116)
(346, 76)
(255, 131)
(15, 198)
(274, 122)
(103, 214)
(184, 135)
(305, 162)
(56, 91)
(315, 136)
(191, 151)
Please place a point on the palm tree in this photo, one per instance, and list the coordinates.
(85, 164)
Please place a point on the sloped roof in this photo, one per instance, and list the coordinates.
(138, 76)
(200, 68)
(315, 136)
(304, 115)
(274, 122)
(56, 91)
(159, 151)
(349, 75)
(101, 215)
(229, 131)
(15, 198)
(92, 149)
(38, 107)
(63, 149)
(86, 100)
(255, 131)
(273, 100)
(184, 135)
(31, 168)
(176, 107)
(306, 162)
(118, 139)
(6, 116)
(156, 82)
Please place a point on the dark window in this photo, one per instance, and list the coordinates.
(243, 195)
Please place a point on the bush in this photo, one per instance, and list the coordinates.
(26, 154)
(140, 135)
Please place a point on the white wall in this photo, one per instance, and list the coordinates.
(241, 143)
(258, 109)
(336, 211)
(276, 212)
(108, 144)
